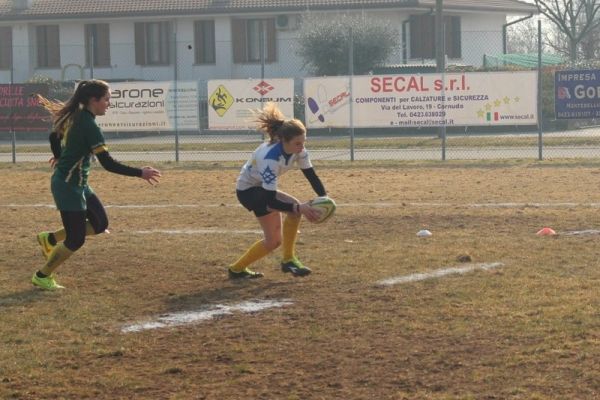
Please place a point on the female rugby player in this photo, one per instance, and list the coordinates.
(74, 138)
(257, 191)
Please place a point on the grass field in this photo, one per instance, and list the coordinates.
(527, 329)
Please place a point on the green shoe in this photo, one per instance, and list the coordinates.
(42, 239)
(47, 283)
(294, 266)
(244, 274)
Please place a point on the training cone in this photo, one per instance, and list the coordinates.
(546, 232)
(423, 233)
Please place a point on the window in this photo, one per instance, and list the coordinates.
(5, 47)
(152, 43)
(422, 36)
(248, 37)
(98, 35)
(204, 40)
(48, 46)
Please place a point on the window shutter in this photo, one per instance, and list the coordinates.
(5, 47)
(453, 45)
(238, 35)
(53, 43)
(140, 44)
(102, 45)
(271, 40)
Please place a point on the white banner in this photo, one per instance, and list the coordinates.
(231, 102)
(453, 99)
(150, 106)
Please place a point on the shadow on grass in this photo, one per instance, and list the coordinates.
(23, 297)
(234, 291)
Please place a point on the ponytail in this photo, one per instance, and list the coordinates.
(63, 113)
(272, 122)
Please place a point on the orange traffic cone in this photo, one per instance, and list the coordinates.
(546, 232)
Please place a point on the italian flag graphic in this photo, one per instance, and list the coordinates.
(492, 116)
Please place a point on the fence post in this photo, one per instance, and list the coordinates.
(11, 116)
(175, 93)
(440, 61)
(539, 99)
(351, 75)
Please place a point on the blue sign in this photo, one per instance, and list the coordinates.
(577, 94)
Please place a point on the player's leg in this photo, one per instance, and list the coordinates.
(74, 223)
(271, 226)
(291, 223)
(97, 220)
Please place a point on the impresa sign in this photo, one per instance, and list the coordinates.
(152, 106)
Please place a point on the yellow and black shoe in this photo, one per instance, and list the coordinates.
(244, 274)
(294, 266)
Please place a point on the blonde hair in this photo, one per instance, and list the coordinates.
(272, 122)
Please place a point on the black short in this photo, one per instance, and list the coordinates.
(254, 199)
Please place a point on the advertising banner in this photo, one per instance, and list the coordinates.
(231, 102)
(577, 94)
(416, 100)
(150, 106)
(19, 108)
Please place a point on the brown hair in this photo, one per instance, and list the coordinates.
(272, 122)
(63, 113)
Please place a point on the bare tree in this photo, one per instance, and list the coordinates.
(522, 37)
(576, 19)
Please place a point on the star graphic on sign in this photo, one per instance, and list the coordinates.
(517, 99)
(506, 100)
(480, 113)
(497, 103)
(488, 106)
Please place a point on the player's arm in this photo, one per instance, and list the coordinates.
(275, 204)
(112, 165)
(55, 146)
(315, 182)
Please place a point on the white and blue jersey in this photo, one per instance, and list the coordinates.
(268, 162)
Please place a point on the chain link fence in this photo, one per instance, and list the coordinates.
(177, 60)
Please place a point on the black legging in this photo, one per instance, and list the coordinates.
(74, 222)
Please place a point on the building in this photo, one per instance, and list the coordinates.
(219, 39)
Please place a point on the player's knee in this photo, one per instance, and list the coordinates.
(101, 226)
(74, 243)
(272, 244)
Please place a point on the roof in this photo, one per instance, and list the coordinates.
(61, 9)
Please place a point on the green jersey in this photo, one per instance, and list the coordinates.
(84, 138)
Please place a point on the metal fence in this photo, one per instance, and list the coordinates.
(552, 139)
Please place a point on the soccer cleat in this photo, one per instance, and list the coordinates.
(244, 274)
(294, 266)
(47, 283)
(42, 239)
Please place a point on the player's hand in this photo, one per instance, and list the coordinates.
(150, 175)
(53, 161)
(311, 213)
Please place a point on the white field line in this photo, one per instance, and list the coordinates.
(437, 273)
(197, 231)
(377, 205)
(582, 233)
(204, 314)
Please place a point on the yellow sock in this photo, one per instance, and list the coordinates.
(290, 233)
(59, 255)
(60, 235)
(254, 253)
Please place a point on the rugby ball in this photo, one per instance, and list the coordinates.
(325, 205)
